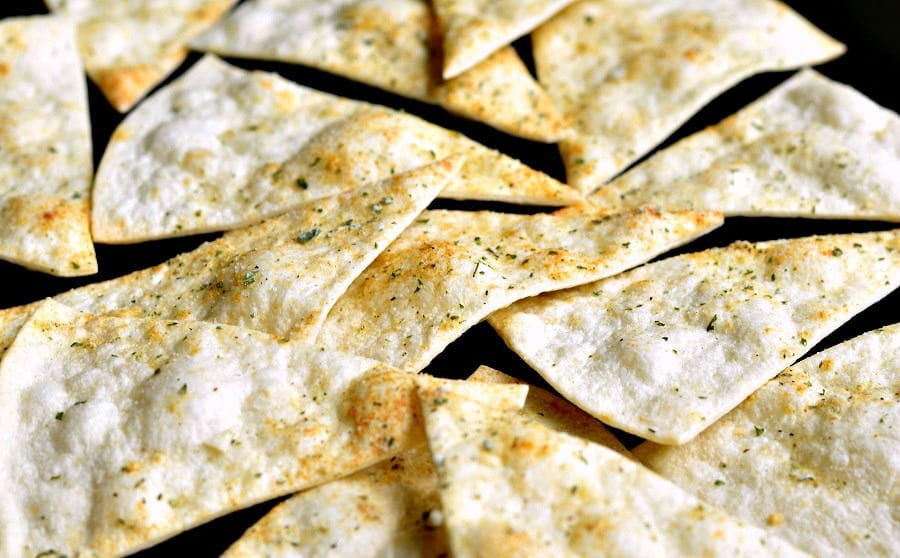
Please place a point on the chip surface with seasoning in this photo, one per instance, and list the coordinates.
(393, 45)
(810, 148)
(628, 74)
(280, 276)
(120, 433)
(130, 46)
(45, 149)
(664, 350)
(450, 269)
(818, 445)
(519, 488)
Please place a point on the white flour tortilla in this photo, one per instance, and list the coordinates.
(120, 433)
(451, 269)
(810, 148)
(664, 350)
(510, 486)
(818, 445)
(393, 45)
(45, 149)
(390, 509)
(281, 276)
(222, 148)
(628, 74)
(473, 29)
(130, 46)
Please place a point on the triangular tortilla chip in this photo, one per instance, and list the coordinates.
(393, 45)
(473, 29)
(510, 486)
(500, 92)
(555, 412)
(810, 148)
(45, 149)
(664, 350)
(629, 73)
(818, 445)
(121, 432)
(390, 509)
(281, 276)
(222, 148)
(451, 269)
(130, 47)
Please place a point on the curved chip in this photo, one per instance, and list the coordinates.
(281, 276)
(473, 29)
(394, 45)
(451, 269)
(819, 445)
(120, 433)
(130, 47)
(664, 350)
(810, 148)
(222, 148)
(518, 488)
(628, 74)
(45, 149)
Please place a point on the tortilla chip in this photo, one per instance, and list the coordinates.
(130, 47)
(451, 269)
(222, 148)
(510, 486)
(817, 445)
(390, 509)
(393, 45)
(810, 148)
(555, 412)
(121, 433)
(45, 149)
(664, 350)
(501, 92)
(281, 276)
(473, 29)
(628, 74)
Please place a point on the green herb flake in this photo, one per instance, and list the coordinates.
(183, 389)
(758, 430)
(837, 252)
(302, 183)
(711, 326)
(60, 415)
(250, 277)
(305, 237)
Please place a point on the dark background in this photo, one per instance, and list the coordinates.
(869, 28)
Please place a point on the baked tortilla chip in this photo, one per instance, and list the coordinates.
(500, 92)
(555, 412)
(473, 29)
(120, 432)
(628, 74)
(222, 148)
(810, 148)
(510, 486)
(393, 45)
(451, 269)
(45, 149)
(129, 47)
(818, 445)
(280, 276)
(664, 350)
(390, 509)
